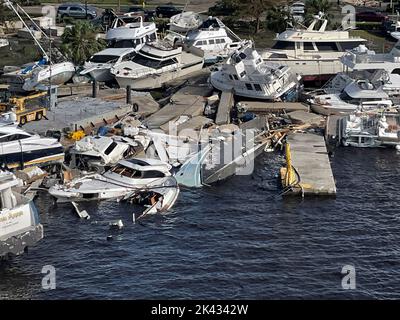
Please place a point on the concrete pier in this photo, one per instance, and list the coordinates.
(308, 169)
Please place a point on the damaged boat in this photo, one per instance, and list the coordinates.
(249, 76)
(96, 153)
(129, 180)
(19, 219)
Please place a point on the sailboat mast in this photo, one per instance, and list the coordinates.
(10, 5)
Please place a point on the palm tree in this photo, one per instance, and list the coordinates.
(80, 43)
(313, 7)
(278, 18)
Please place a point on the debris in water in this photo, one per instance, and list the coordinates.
(82, 214)
(116, 225)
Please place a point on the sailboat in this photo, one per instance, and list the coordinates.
(43, 71)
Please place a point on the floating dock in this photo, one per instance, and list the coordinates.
(308, 170)
(224, 108)
(263, 107)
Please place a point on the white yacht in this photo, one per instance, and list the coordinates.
(249, 76)
(358, 96)
(127, 36)
(156, 64)
(130, 31)
(215, 39)
(94, 153)
(99, 65)
(19, 219)
(312, 53)
(126, 180)
(19, 148)
(185, 21)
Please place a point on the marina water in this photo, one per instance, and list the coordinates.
(239, 239)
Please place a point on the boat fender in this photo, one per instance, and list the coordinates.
(135, 107)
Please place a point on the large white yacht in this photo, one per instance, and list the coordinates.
(249, 76)
(19, 219)
(156, 64)
(312, 53)
(215, 39)
(128, 35)
(19, 148)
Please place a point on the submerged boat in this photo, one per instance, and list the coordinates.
(370, 130)
(249, 76)
(127, 180)
(156, 64)
(312, 53)
(96, 153)
(19, 148)
(185, 21)
(19, 219)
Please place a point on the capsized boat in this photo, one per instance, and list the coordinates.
(156, 64)
(127, 180)
(19, 148)
(249, 76)
(19, 219)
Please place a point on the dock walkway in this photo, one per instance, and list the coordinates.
(312, 172)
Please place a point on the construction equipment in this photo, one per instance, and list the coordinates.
(29, 108)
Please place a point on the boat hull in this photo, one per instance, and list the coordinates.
(155, 81)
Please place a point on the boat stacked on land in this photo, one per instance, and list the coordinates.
(127, 36)
(156, 64)
(314, 53)
(248, 75)
(370, 81)
(185, 21)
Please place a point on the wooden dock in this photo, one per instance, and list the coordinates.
(224, 108)
(308, 170)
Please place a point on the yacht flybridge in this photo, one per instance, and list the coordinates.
(215, 39)
(156, 64)
(312, 53)
(249, 76)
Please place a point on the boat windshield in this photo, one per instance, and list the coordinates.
(133, 43)
(152, 63)
(99, 58)
(126, 172)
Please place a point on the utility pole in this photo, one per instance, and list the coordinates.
(119, 6)
(86, 9)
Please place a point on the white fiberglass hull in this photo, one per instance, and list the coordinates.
(58, 74)
(239, 88)
(99, 73)
(157, 79)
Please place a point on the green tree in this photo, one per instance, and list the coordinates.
(253, 9)
(278, 18)
(313, 7)
(80, 43)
